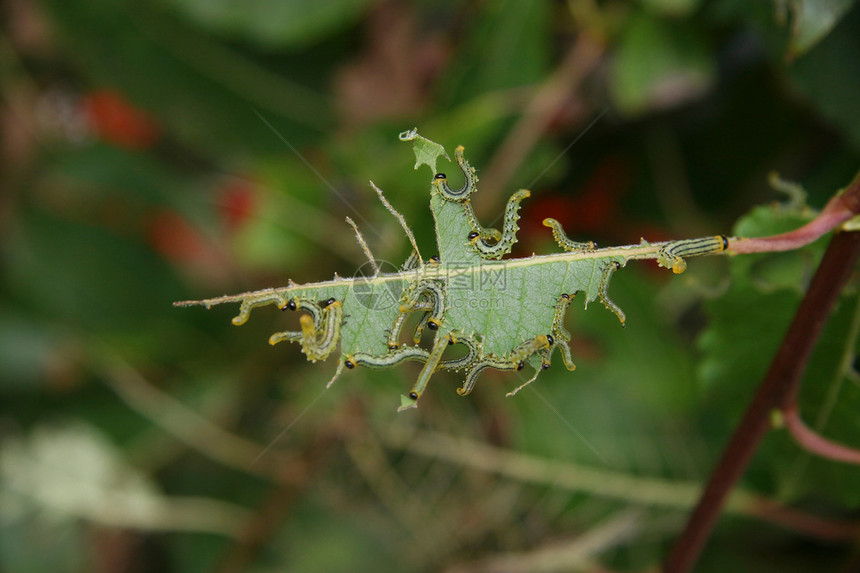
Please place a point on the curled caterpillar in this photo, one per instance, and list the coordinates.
(603, 290)
(488, 235)
(515, 361)
(481, 365)
(428, 296)
(318, 344)
(309, 306)
(440, 180)
(320, 328)
(424, 290)
(389, 360)
(396, 356)
(504, 244)
(473, 347)
(397, 327)
(561, 238)
(560, 334)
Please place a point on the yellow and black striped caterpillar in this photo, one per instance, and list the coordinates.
(671, 255)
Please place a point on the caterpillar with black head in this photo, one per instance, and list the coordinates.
(440, 180)
(502, 246)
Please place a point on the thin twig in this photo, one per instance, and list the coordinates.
(575, 554)
(636, 490)
(185, 424)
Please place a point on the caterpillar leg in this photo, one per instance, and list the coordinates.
(440, 180)
(608, 271)
(561, 238)
(433, 360)
(671, 254)
(504, 244)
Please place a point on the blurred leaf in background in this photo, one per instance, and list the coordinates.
(159, 151)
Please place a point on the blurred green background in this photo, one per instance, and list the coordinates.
(176, 149)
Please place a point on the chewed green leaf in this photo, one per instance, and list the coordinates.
(426, 151)
(507, 313)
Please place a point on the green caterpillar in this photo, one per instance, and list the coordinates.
(320, 328)
(671, 254)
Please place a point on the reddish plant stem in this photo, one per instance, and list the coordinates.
(815, 443)
(777, 389)
(838, 210)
